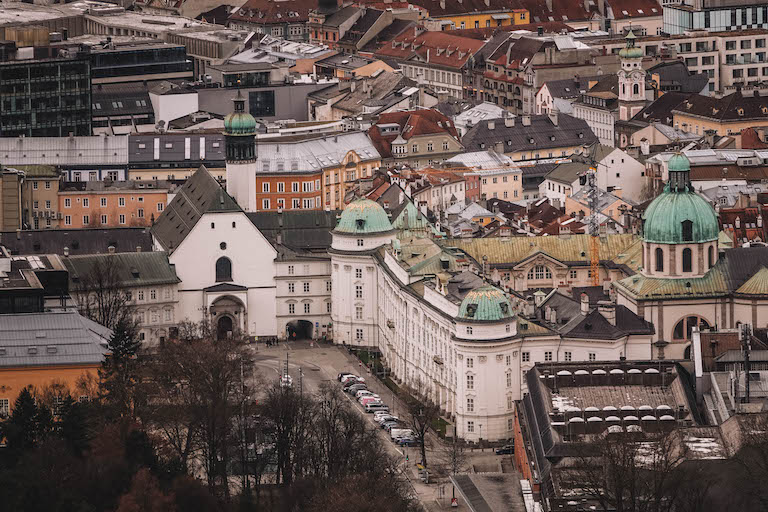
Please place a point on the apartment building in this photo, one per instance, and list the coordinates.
(729, 59)
(714, 15)
(40, 196)
(106, 204)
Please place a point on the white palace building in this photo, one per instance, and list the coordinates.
(448, 333)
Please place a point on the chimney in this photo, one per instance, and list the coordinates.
(526, 120)
(491, 125)
(608, 310)
(538, 298)
(66, 252)
(549, 5)
(509, 122)
(442, 4)
(540, 31)
(487, 3)
(279, 239)
(138, 248)
(584, 304)
(645, 146)
(111, 249)
(553, 116)
(499, 146)
(553, 316)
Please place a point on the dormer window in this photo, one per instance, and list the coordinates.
(360, 223)
(504, 308)
(471, 310)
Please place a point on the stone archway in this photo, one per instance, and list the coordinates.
(225, 327)
(299, 329)
(228, 315)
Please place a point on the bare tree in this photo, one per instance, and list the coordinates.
(101, 296)
(423, 412)
(195, 391)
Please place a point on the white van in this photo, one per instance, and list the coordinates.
(400, 432)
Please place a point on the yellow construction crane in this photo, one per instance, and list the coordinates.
(589, 180)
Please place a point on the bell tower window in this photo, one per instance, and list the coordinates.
(687, 260)
(659, 259)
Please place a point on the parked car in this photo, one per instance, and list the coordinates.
(507, 449)
(406, 441)
(367, 400)
(383, 417)
(354, 388)
(389, 425)
(366, 392)
(346, 378)
(341, 375)
(394, 433)
(376, 406)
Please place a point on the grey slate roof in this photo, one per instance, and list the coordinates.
(299, 230)
(569, 131)
(133, 268)
(79, 241)
(570, 88)
(58, 338)
(200, 194)
(674, 75)
(567, 172)
(141, 148)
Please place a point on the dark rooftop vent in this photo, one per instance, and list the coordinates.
(135, 272)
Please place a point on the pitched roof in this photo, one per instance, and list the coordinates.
(299, 230)
(435, 48)
(561, 10)
(570, 87)
(50, 339)
(437, 8)
(362, 25)
(625, 9)
(132, 268)
(733, 107)
(77, 241)
(412, 123)
(567, 172)
(756, 285)
(540, 134)
(675, 74)
(618, 248)
(200, 194)
(385, 85)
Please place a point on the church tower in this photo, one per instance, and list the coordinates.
(631, 79)
(240, 146)
(680, 228)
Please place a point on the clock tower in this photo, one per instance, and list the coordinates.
(631, 79)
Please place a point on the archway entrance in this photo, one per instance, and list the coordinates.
(299, 329)
(224, 327)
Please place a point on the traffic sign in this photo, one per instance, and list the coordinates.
(454, 503)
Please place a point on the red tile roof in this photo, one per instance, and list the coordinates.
(483, 33)
(438, 48)
(625, 9)
(751, 140)
(412, 123)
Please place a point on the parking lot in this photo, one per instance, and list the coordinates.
(313, 365)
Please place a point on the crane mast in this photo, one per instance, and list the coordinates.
(594, 225)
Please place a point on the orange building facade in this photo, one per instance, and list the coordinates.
(288, 191)
(75, 379)
(111, 208)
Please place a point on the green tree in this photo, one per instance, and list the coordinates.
(73, 425)
(119, 371)
(20, 430)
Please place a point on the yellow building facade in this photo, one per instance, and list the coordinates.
(484, 19)
(338, 180)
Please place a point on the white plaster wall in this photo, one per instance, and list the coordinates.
(253, 266)
(619, 170)
(173, 106)
(241, 184)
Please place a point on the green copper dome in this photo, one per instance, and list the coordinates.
(630, 51)
(679, 162)
(485, 304)
(363, 217)
(239, 122)
(679, 215)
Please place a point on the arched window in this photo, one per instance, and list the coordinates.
(684, 327)
(223, 269)
(540, 272)
(711, 256)
(687, 260)
(636, 89)
(659, 259)
(687, 231)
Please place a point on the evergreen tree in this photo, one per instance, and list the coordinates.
(118, 371)
(73, 425)
(21, 428)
